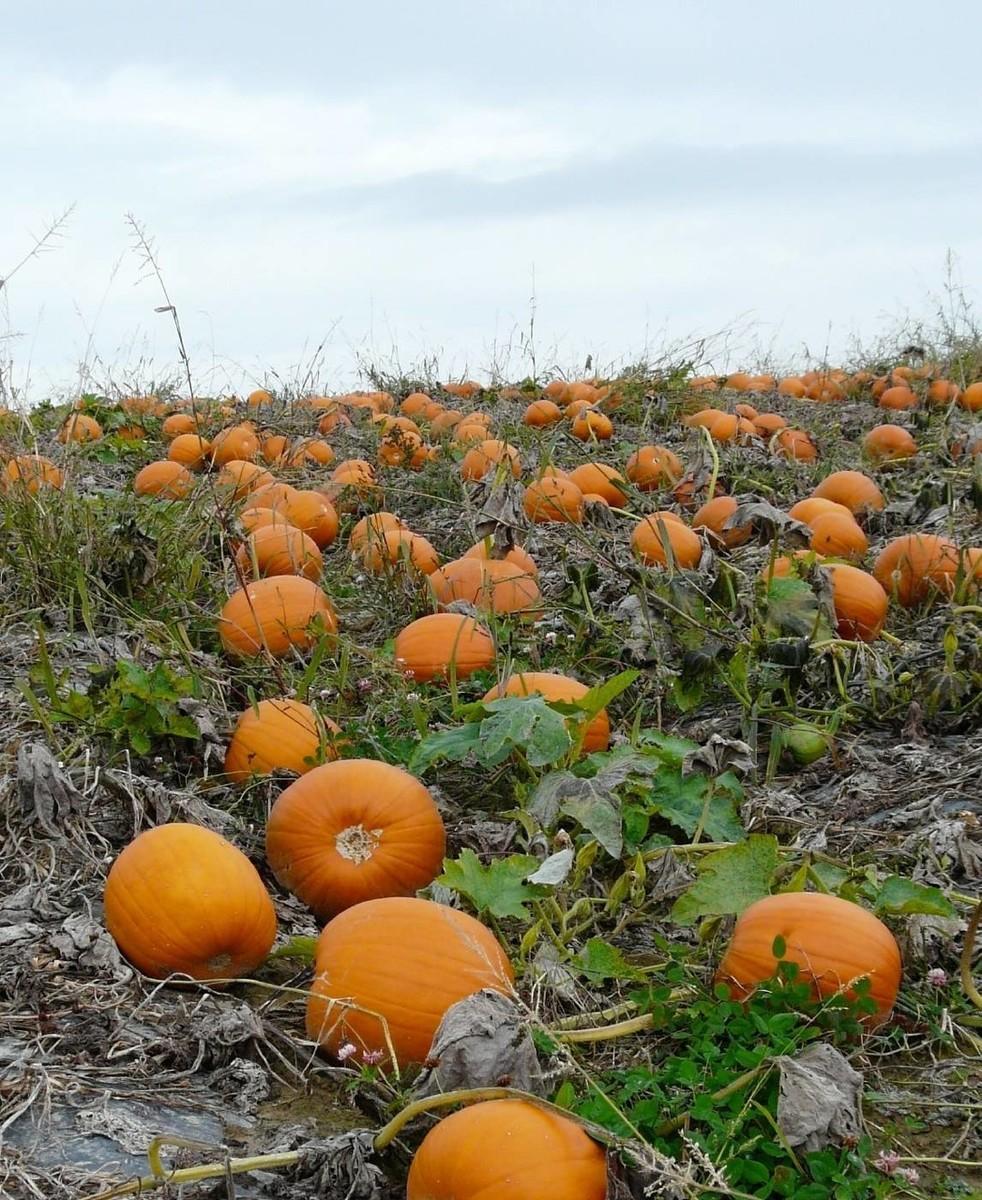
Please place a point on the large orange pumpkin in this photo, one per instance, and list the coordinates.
(441, 645)
(860, 602)
(236, 443)
(179, 423)
(80, 428)
(31, 472)
(971, 397)
(279, 549)
(180, 899)
(537, 1155)
(553, 499)
(399, 548)
(278, 735)
(591, 425)
(852, 489)
(888, 443)
(542, 412)
(815, 506)
(373, 527)
(557, 687)
(491, 585)
(662, 532)
(190, 450)
(898, 398)
(794, 444)
(600, 480)
(914, 565)
(484, 549)
(279, 614)
(487, 456)
(314, 514)
(834, 942)
(714, 515)
(239, 477)
(653, 467)
(407, 961)
(167, 479)
(838, 534)
(354, 830)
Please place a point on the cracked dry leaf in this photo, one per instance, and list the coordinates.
(819, 1098)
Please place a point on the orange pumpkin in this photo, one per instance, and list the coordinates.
(834, 942)
(489, 584)
(279, 550)
(852, 489)
(811, 507)
(839, 535)
(723, 426)
(767, 424)
(714, 516)
(914, 565)
(518, 557)
(275, 448)
(179, 423)
(398, 447)
(314, 514)
(80, 428)
(487, 456)
(860, 603)
(354, 830)
(791, 385)
(662, 533)
(888, 443)
(553, 499)
(557, 687)
(415, 402)
(441, 645)
(181, 900)
(278, 614)
(238, 442)
(166, 479)
(270, 495)
(31, 472)
(941, 391)
(538, 1154)
(971, 397)
(445, 421)
(190, 450)
(542, 412)
(260, 398)
(400, 547)
(406, 961)
(899, 398)
(598, 479)
(653, 467)
(373, 527)
(591, 425)
(239, 477)
(794, 444)
(278, 735)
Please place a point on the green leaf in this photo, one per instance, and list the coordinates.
(682, 800)
(526, 723)
(591, 802)
(899, 895)
(446, 745)
(729, 880)
(599, 961)
(793, 610)
(670, 749)
(302, 948)
(600, 696)
(499, 888)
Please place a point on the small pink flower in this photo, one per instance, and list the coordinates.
(911, 1174)
(371, 1057)
(364, 686)
(937, 977)
(887, 1161)
(346, 1051)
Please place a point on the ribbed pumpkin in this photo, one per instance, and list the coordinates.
(860, 602)
(651, 536)
(314, 514)
(166, 479)
(592, 426)
(279, 549)
(839, 535)
(899, 398)
(852, 489)
(399, 548)
(80, 428)
(31, 472)
(279, 614)
(487, 456)
(914, 565)
(556, 687)
(180, 899)
(794, 444)
(542, 412)
(238, 442)
(278, 735)
(442, 644)
(767, 424)
(178, 423)
(518, 557)
(406, 960)
(653, 467)
(239, 477)
(537, 1155)
(373, 527)
(714, 515)
(815, 506)
(354, 830)
(552, 499)
(489, 584)
(601, 480)
(190, 450)
(834, 942)
(888, 443)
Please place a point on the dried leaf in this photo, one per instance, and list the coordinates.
(819, 1099)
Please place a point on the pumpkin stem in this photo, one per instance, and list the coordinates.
(357, 844)
(968, 983)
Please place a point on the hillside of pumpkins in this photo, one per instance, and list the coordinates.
(555, 791)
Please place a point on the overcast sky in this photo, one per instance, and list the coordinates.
(395, 176)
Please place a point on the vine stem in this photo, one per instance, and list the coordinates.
(724, 1093)
(968, 983)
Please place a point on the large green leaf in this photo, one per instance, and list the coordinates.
(729, 880)
(500, 888)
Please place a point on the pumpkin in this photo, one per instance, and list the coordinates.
(415, 402)
(791, 385)
(714, 516)
(275, 447)
(515, 555)
(914, 565)
(277, 735)
(371, 528)
(888, 443)
(600, 480)
(591, 425)
(794, 444)
(80, 428)
(354, 830)
(704, 383)
(166, 479)
(190, 450)
(542, 412)
(489, 454)
(181, 900)
(489, 584)
(314, 514)
(179, 423)
(398, 447)
(941, 391)
(555, 389)
(703, 418)
(553, 499)
(537, 1154)
(333, 419)
(32, 472)
(270, 495)
(252, 519)
(279, 550)
(442, 644)
(834, 942)
(900, 398)
(277, 614)
(839, 535)
(239, 477)
(723, 426)
(852, 489)
(465, 390)
(238, 442)
(971, 397)
(407, 961)
(860, 603)
(445, 421)
(259, 398)
(745, 410)
(653, 467)
(468, 431)
(662, 532)
(400, 547)
(312, 450)
(767, 424)
(811, 507)
(557, 687)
